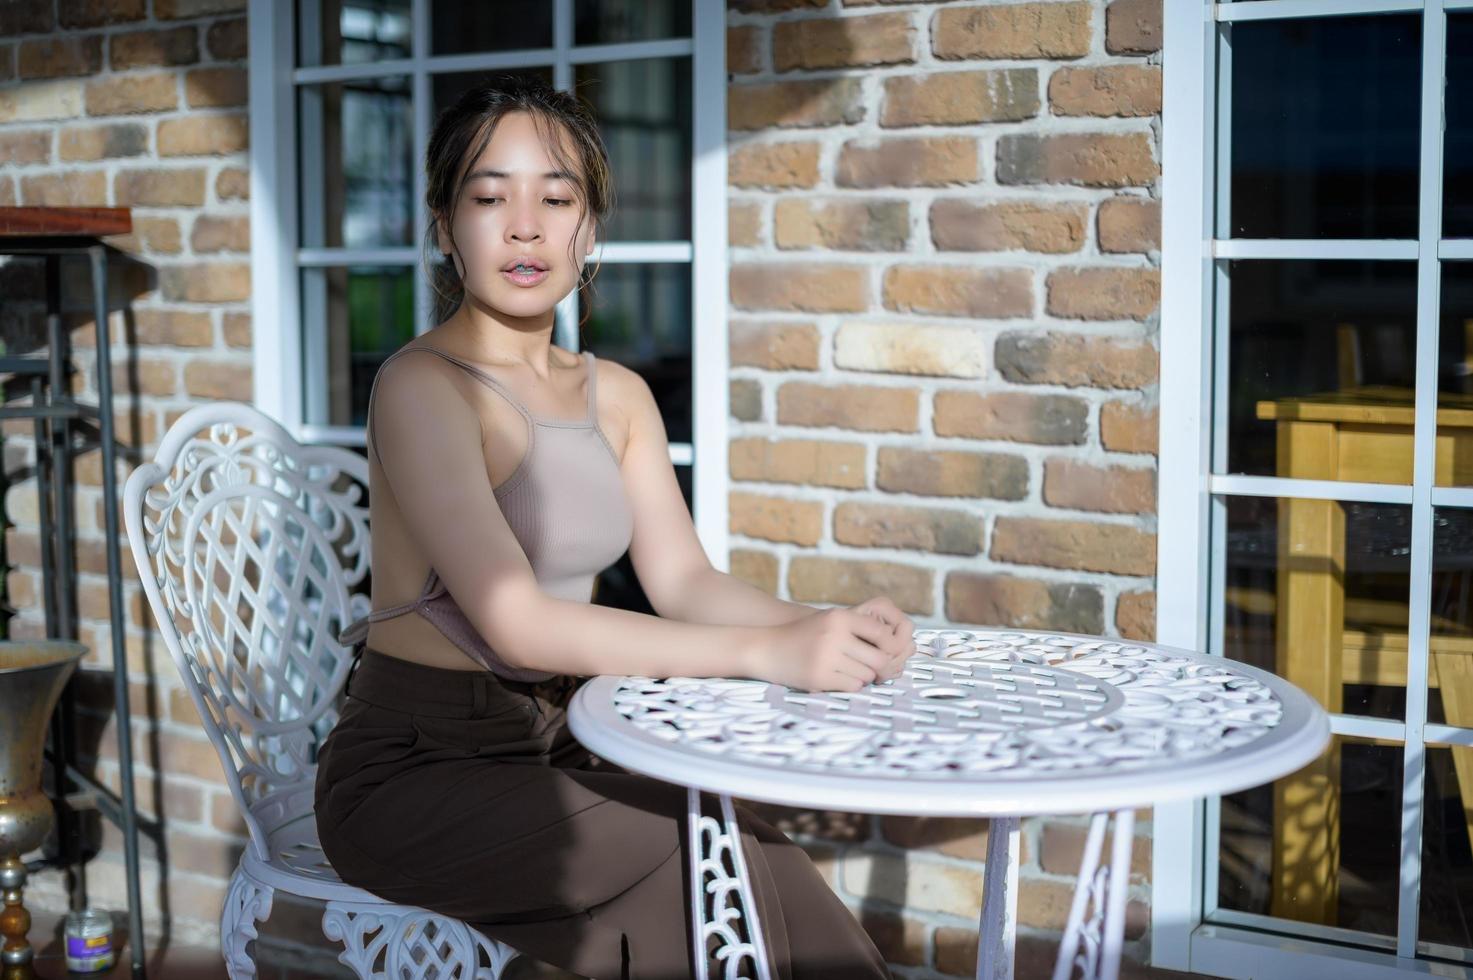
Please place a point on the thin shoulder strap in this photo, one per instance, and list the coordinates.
(592, 378)
(476, 372)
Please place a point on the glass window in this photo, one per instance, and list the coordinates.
(355, 317)
(357, 164)
(615, 21)
(643, 110)
(1321, 362)
(1457, 136)
(457, 27)
(349, 32)
(1324, 127)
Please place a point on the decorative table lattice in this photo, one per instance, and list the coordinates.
(981, 723)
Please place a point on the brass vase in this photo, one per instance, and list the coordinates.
(32, 675)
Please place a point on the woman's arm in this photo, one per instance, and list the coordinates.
(712, 596)
(672, 566)
(428, 438)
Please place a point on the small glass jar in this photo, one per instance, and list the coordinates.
(89, 941)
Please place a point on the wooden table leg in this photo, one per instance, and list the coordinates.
(999, 926)
(1309, 641)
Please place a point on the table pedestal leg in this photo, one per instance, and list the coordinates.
(721, 894)
(999, 923)
(1093, 943)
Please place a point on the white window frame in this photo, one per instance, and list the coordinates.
(276, 256)
(1235, 944)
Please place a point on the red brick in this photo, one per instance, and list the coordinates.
(775, 345)
(953, 290)
(964, 225)
(139, 49)
(918, 161)
(811, 287)
(1114, 489)
(1054, 420)
(1126, 427)
(952, 473)
(1073, 360)
(868, 408)
(775, 518)
(1022, 603)
(773, 165)
(813, 578)
(1119, 549)
(1133, 27)
(1135, 615)
(811, 102)
(60, 57)
(1106, 90)
(1086, 159)
(1015, 30)
(814, 462)
(843, 42)
(99, 13)
(124, 94)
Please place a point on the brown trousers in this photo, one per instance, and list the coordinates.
(466, 794)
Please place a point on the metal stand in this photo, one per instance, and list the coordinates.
(53, 409)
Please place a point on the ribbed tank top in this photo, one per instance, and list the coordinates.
(565, 503)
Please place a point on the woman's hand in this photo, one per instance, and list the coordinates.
(840, 649)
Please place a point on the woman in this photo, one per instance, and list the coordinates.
(505, 473)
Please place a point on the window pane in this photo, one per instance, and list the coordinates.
(445, 89)
(457, 27)
(353, 31)
(613, 21)
(1457, 136)
(1324, 127)
(1320, 845)
(1447, 865)
(1321, 365)
(352, 318)
(641, 318)
(1450, 669)
(644, 115)
(356, 164)
(1316, 591)
(1455, 377)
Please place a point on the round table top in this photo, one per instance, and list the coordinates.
(981, 723)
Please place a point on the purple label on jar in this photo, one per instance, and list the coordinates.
(89, 947)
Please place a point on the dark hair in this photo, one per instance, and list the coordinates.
(461, 133)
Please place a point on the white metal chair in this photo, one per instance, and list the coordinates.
(249, 544)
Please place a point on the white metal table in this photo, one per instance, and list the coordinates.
(985, 723)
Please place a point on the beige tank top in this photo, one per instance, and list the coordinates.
(566, 505)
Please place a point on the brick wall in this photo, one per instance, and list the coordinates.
(136, 103)
(944, 315)
(944, 286)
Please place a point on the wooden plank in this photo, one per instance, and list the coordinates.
(1309, 654)
(34, 222)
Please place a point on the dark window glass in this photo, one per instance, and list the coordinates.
(362, 315)
(458, 27)
(1455, 373)
(641, 318)
(1325, 341)
(1457, 136)
(644, 116)
(354, 32)
(1316, 591)
(613, 21)
(1325, 117)
(1447, 862)
(356, 163)
(1450, 666)
(1265, 828)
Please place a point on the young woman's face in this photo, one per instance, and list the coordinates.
(511, 208)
